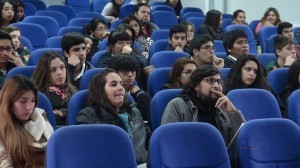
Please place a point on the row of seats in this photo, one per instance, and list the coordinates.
(260, 143)
(163, 61)
(250, 101)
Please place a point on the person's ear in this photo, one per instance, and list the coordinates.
(278, 51)
(197, 88)
(66, 53)
(195, 51)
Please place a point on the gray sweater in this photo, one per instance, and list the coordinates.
(179, 110)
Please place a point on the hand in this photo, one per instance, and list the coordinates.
(134, 88)
(178, 48)
(148, 69)
(105, 34)
(289, 60)
(73, 60)
(58, 112)
(15, 59)
(114, 19)
(217, 62)
(224, 103)
(267, 23)
(126, 49)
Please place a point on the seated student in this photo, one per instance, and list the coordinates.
(74, 48)
(239, 17)
(213, 25)
(202, 51)
(177, 39)
(143, 41)
(8, 15)
(52, 79)
(89, 43)
(107, 105)
(190, 32)
(128, 69)
(24, 128)
(247, 72)
(142, 11)
(180, 73)
(236, 44)
(285, 54)
(8, 56)
(120, 42)
(20, 11)
(202, 100)
(111, 10)
(286, 29)
(131, 32)
(22, 51)
(271, 17)
(293, 82)
(139, 1)
(176, 5)
(97, 31)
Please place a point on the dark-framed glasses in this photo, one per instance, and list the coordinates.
(126, 71)
(208, 48)
(8, 48)
(212, 81)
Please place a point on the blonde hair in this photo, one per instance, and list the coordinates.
(14, 137)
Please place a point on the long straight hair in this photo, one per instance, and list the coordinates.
(41, 75)
(13, 135)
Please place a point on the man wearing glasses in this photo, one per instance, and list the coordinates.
(202, 51)
(8, 57)
(236, 44)
(202, 100)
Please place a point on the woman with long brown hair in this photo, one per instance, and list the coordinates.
(52, 78)
(24, 129)
(180, 73)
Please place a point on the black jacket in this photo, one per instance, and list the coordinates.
(71, 70)
(103, 115)
(218, 35)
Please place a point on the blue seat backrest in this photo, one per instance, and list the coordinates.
(159, 103)
(278, 79)
(157, 79)
(269, 143)
(255, 103)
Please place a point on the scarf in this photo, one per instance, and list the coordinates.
(39, 128)
(60, 91)
(206, 109)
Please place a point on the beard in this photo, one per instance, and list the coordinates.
(144, 21)
(210, 99)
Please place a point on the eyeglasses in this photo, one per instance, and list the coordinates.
(208, 48)
(187, 73)
(212, 81)
(8, 48)
(126, 71)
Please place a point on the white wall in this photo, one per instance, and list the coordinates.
(289, 9)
